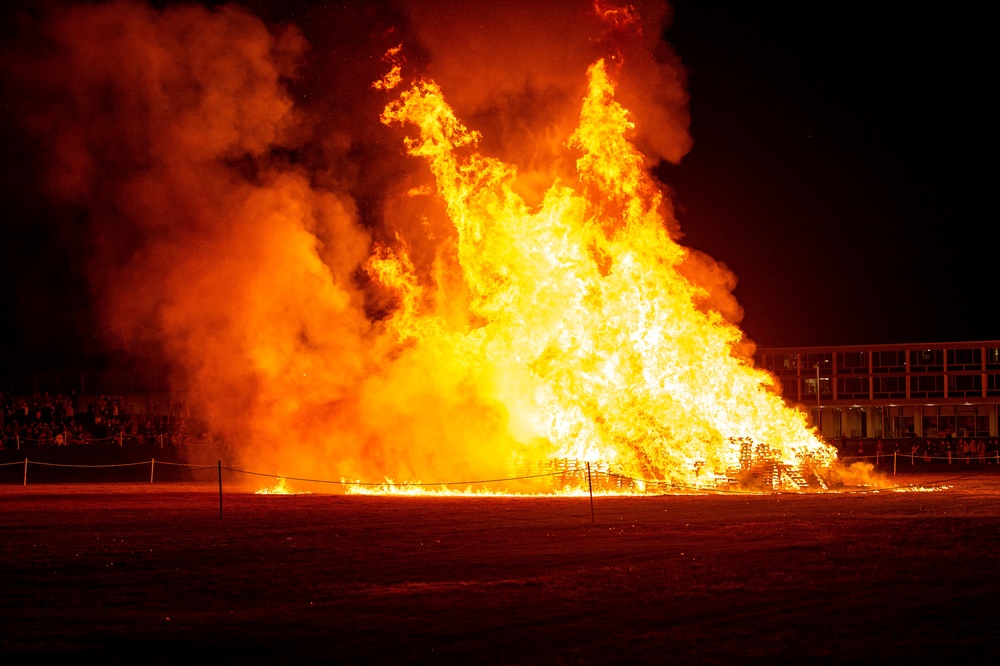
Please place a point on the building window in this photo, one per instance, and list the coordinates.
(889, 387)
(939, 426)
(965, 359)
(852, 388)
(898, 423)
(927, 360)
(812, 361)
(780, 364)
(993, 358)
(809, 388)
(965, 386)
(983, 420)
(939, 422)
(852, 363)
(889, 361)
(930, 386)
(972, 421)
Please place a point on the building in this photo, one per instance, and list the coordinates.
(899, 390)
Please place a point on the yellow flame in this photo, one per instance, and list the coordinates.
(394, 76)
(581, 325)
(281, 488)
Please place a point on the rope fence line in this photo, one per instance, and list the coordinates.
(992, 458)
(194, 468)
(48, 464)
(654, 483)
(152, 462)
(662, 485)
(344, 483)
(353, 483)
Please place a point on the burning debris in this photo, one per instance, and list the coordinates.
(759, 469)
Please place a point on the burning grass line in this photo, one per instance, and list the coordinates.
(382, 483)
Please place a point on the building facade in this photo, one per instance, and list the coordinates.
(900, 390)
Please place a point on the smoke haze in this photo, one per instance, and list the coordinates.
(231, 185)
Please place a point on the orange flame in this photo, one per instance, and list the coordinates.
(581, 324)
(540, 323)
(280, 487)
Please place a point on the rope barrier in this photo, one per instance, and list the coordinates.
(341, 482)
(152, 464)
(661, 483)
(48, 464)
(986, 459)
(194, 468)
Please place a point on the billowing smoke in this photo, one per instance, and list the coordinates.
(236, 183)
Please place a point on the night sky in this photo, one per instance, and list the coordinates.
(839, 169)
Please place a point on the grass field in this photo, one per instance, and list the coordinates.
(140, 573)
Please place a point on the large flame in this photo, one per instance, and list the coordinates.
(257, 241)
(580, 323)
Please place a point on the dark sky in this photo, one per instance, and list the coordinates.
(839, 169)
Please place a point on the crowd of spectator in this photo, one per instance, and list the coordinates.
(948, 449)
(43, 419)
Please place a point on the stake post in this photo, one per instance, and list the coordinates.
(220, 489)
(590, 486)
